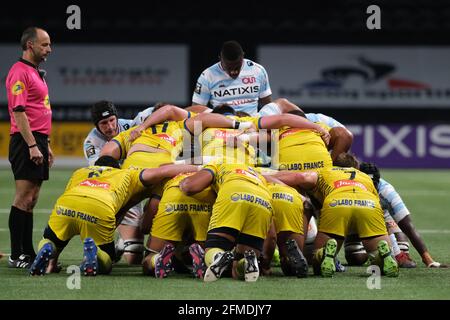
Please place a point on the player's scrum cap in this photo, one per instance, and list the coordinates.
(102, 110)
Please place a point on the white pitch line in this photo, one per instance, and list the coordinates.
(424, 193)
(436, 231)
(43, 190)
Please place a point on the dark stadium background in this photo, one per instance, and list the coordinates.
(204, 25)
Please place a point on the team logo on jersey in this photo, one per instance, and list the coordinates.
(235, 91)
(290, 166)
(349, 183)
(250, 173)
(95, 184)
(224, 134)
(47, 102)
(169, 208)
(167, 138)
(198, 88)
(248, 80)
(18, 88)
(235, 197)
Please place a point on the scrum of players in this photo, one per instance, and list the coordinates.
(220, 191)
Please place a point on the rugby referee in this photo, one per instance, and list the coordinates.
(29, 148)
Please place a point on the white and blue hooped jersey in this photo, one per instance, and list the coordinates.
(319, 117)
(391, 201)
(216, 87)
(95, 140)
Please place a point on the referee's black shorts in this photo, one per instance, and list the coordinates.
(19, 157)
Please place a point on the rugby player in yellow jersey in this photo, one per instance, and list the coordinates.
(300, 150)
(288, 220)
(91, 206)
(164, 134)
(179, 214)
(215, 142)
(240, 217)
(350, 204)
(160, 143)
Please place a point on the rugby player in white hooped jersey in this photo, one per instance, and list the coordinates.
(107, 126)
(241, 83)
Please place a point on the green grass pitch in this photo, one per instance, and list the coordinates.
(426, 193)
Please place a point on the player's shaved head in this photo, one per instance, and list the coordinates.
(231, 51)
(231, 58)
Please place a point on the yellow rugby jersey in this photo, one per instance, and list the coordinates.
(288, 137)
(225, 172)
(166, 136)
(206, 195)
(213, 142)
(300, 149)
(337, 179)
(113, 187)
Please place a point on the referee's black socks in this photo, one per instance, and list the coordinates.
(21, 233)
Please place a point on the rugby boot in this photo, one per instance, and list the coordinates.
(221, 262)
(328, 266)
(89, 265)
(40, 263)
(297, 261)
(163, 262)
(23, 262)
(198, 260)
(251, 269)
(404, 260)
(390, 265)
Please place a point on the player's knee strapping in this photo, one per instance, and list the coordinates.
(355, 254)
(404, 246)
(133, 246)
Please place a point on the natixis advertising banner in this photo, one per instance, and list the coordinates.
(403, 145)
(127, 74)
(359, 76)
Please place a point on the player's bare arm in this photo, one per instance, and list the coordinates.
(196, 183)
(214, 120)
(304, 180)
(341, 141)
(167, 113)
(293, 121)
(198, 108)
(156, 175)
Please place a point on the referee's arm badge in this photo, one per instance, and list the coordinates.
(17, 88)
